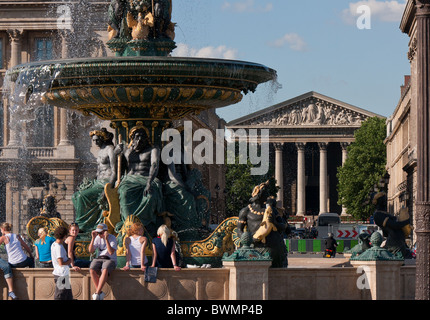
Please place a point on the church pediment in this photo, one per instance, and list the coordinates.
(311, 109)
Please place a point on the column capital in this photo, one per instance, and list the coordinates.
(300, 146)
(323, 146)
(279, 146)
(344, 145)
(15, 34)
(423, 7)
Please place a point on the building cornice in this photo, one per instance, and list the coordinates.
(408, 18)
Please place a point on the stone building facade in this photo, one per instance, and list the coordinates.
(50, 150)
(308, 140)
(402, 132)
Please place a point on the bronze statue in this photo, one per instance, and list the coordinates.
(162, 14)
(140, 191)
(392, 227)
(49, 209)
(90, 198)
(116, 12)
(263, 221)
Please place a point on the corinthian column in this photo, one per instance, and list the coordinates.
(15, 59)
(64, 138)
(301, 177)
(279, 172)
(323, 177)
(422, 284)
(344, 146)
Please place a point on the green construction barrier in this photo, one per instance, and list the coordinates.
(316, 246)
(302, 246)
(340, 246)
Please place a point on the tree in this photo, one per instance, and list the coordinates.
(363, 168)
(240, 183)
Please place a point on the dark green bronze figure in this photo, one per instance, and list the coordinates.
(266, 225)
(89, 200)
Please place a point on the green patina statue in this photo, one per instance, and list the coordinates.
(141, 27)
(376, 253)
(262, 220)
(89, 200)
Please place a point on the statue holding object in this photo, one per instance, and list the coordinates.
(263, 221)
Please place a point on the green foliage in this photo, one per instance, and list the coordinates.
(240, 183)
(364, 166)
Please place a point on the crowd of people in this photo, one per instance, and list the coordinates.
(58, 253)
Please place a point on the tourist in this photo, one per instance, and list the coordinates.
(71, 246)
(8, 276)
(163, 250)
(60, 262)
(106, 261)
(14, 248)
(42, 248)
(135, 246)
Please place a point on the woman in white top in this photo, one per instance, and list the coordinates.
(135, 246)
(14, 248)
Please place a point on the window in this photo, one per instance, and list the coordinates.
(43, 49)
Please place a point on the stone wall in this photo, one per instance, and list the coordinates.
(293, 283)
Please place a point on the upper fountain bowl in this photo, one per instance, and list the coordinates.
(118, 88)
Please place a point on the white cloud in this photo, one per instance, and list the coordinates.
(246, 6)
(293, 40)
(386, 11)
(220, 52)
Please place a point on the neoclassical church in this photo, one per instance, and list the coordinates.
(309, 136)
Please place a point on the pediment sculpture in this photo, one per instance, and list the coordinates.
(310, 113)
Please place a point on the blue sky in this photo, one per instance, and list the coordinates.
(313, 45)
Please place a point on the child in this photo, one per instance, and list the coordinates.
(60, 261)
(135, 246)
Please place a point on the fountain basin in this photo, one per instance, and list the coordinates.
(118, 88)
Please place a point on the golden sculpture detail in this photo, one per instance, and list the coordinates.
(265, 227)
(404, 215)
(220, 241)
(140, 27)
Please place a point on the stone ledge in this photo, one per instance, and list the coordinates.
(187, 284)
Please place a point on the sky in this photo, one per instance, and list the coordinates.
(325, 46)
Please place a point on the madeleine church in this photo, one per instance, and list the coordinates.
(309, 136)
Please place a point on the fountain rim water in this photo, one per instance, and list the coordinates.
(141, 59)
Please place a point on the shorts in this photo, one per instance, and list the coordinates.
(101, 264)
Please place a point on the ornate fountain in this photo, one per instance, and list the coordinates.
(142, 86)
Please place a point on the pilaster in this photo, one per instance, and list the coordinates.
(423, 150)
